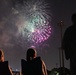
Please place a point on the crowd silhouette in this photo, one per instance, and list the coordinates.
(34, 65)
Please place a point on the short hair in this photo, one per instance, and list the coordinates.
(74, 17)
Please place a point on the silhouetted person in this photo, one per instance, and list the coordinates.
(33, 65)
(4, 68)
(69, 45)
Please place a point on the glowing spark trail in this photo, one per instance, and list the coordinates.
(36, 27)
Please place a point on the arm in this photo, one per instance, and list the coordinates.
(10, 71)
(44, 68)
(66, 43)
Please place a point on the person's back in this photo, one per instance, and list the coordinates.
(4, 68)
(69, 45)
(34, 65)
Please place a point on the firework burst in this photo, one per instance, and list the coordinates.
(35, 26)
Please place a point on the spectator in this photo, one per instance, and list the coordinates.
(69, 44)
(31, 56)
(2, 60)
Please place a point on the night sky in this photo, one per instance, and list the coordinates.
(15, 47)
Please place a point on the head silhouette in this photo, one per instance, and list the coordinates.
(74, 18)
(1, 56)
(31, 54)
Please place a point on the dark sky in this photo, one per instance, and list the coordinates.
(14, 47)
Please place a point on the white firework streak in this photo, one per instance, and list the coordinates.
(35, 26)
